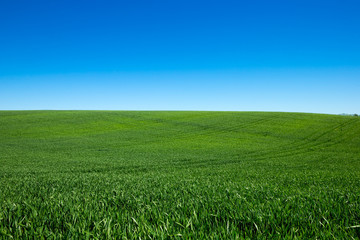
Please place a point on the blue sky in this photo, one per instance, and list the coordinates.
(301, 56)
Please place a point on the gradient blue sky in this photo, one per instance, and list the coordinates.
(297, 55)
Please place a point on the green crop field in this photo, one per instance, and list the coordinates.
(178, 175)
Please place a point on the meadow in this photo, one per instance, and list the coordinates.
(178, 175)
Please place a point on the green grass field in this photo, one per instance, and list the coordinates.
(178, 175)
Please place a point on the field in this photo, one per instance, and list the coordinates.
(178, 175)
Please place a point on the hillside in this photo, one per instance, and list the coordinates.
(125, 174)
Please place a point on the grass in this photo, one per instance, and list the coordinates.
(178, 175)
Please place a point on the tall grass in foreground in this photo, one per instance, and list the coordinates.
(178, 175)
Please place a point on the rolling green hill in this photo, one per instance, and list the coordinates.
(160, 175)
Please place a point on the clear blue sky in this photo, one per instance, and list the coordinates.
(253, 55)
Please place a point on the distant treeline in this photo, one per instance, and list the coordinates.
(349, 114)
